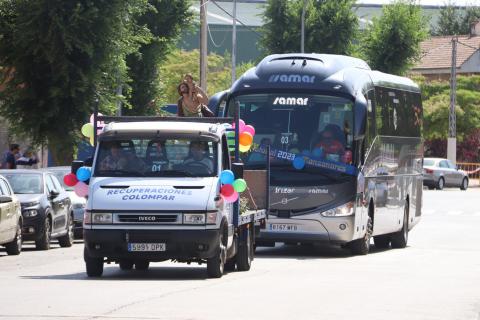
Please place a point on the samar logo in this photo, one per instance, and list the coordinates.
(290, 101)
(291, 78)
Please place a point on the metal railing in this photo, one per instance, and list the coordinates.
(473, 171)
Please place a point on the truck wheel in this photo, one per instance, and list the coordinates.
(382, 242)
(93, 265)
(44, 242)
(400, 238)
(362, 246)
(245, 251)
(67, 239)
(126, 264)
(15, 247)
(216, 264)
(142, 265)
(230, 264)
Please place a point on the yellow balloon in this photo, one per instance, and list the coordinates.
(243, 148)
(87, 130)
(92, 140)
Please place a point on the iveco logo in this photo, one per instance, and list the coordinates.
(291, 101)
(296, 78)
(147, 218)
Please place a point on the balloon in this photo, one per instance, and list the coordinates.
(241, 125)
(250, 129)
(317, 152)
(243, 148)
(92, 141)
(81, 189)
(83, 173)
(70, 179)
(87, 130)
(227, 190)
(227, 177)
(232, 198)
(240, 185)
(298, 162)
(246, 139)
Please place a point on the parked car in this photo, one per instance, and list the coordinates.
(78, 203)
(439, 173)
(10, 219)
(46, 207)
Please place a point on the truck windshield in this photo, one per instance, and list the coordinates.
(317, 128)
(156, 157)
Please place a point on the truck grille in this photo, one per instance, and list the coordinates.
(147, 218)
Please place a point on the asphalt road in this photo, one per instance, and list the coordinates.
(436, 277)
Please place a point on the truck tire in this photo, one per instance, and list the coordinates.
(142, 265)
(216, 264)
(94, 266)
(125, 264)
(362, 246)
(245, 250)
(382, 242)
(15, 247)
(67, 240)
(43, 243)
(400, 238)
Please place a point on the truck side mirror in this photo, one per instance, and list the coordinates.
(237, 169)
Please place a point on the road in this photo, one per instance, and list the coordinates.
(436, 277)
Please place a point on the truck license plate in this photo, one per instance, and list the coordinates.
(146, 247)
(283, 227)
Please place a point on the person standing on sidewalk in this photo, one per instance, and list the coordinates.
(10, 161)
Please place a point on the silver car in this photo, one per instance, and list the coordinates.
(439, 173)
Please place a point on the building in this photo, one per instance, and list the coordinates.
(436, 60)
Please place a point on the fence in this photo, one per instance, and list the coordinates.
(473, 171)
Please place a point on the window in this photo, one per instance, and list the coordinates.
(451, 165)
(444, 164)
(25, 183)
(371, 132)
(49, 183)
(4, 190)
(56, 183)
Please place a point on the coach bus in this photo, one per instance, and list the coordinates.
(345, 150)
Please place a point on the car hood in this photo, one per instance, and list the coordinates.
(27, 198)
(152, 193)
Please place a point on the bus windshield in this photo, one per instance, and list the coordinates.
(318, 127)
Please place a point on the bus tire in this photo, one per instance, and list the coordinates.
(216, 264)
(362, 246)
(94, 266)
(245, 251)
(381, 242)
(400, 238)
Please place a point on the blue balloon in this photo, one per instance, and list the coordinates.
(298, 162)
(83, 173)
(227, 177)
(317, 152)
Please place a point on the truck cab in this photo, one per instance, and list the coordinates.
(154, 195)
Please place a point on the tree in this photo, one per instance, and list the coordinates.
(392, 42)
(165, 19)
(63, 54)
(330, 26)
(180, 62)
(454, 20)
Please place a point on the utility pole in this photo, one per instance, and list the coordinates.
(203, 44)
(234, 42)
(452, 120)
(302, 44)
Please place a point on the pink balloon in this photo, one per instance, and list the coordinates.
(250, 129)
(241, 125)
(232, 198)
(81, 189)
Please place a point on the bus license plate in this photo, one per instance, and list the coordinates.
(146, 247)
(283, 227)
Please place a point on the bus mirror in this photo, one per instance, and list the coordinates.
(360, 117)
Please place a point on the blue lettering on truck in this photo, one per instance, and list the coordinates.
(131, 194)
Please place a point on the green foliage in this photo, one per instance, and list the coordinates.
(330, 26)
(392, 43)
(178, 63)
(165, 19)
(63, 54)
(455, 21)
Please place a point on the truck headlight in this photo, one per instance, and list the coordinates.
(212, 217)
(342, 211)
(194, 218)
(102, 218)
(30, 213)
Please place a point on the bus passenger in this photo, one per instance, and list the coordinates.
(331, 143)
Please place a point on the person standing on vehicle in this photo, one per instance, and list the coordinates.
(10, 161)
(193, 100)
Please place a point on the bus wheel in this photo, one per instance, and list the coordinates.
(245, 251)
(362, 246)
(382, 242)
(400, 238)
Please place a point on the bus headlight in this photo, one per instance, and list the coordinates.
(194, 218)
(102, 218)
(342, 211)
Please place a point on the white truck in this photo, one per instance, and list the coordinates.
(154, 195)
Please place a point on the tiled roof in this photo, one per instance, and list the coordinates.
(437, 51)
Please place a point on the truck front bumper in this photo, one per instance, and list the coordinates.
(180, 244)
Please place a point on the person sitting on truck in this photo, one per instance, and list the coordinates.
(115, 160)
(198, 156)
(156, 157)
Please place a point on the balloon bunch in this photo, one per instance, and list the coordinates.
(246, 133)
(231, 187)
(79, 181)
(88, 128)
